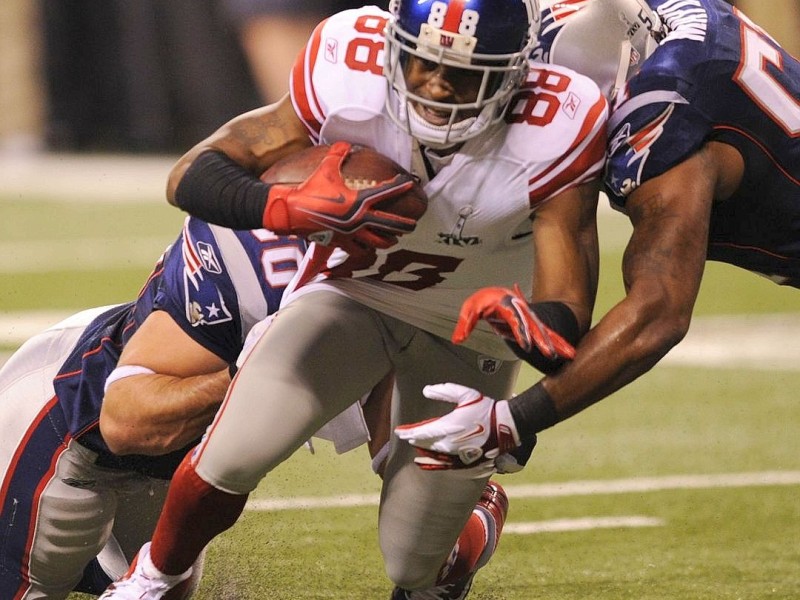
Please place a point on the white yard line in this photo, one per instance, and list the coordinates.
(556, 490)
(44, 256)
(16, 327)
(726, 342)
(582, 524)
(87, 178)
(770, 341)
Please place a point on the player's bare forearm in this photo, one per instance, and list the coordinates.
(567, 261)
(662, 268)
(168, 408)
(255, 140)
(156, 414)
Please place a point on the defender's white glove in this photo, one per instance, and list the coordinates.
(478, 429)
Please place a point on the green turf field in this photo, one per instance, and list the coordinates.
(703, 534)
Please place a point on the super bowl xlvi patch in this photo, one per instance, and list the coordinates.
(456, 236)
(489, 365)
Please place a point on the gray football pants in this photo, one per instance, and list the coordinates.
(319, 353)
(74, 511)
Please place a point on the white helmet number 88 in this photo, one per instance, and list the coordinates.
(467, 26)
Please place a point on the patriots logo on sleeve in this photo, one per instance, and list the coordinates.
(629, 152)
(207, 312)
(205, 302)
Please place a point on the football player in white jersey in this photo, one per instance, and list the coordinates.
(509, 153)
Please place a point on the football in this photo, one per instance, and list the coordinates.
(363, 167)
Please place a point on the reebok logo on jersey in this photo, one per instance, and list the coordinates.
(331, 50)
(209, 258)
(571, 105)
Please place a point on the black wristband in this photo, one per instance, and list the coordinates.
(558, 317)
(533, 410)
(221, 191)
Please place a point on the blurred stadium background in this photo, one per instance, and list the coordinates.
(683, 485)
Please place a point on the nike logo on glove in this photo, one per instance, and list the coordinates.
(479, 429)
(340, 199)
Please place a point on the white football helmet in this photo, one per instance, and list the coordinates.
(490, 37)
(607, 40)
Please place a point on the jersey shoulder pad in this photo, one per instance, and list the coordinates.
(341, 67)
(558, 125)
(196, 288)
(553, 109)
(653, 127)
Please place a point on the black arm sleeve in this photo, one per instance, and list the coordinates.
(219, 190)
(558, 317)
(533, 410)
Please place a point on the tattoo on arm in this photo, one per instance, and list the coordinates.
(263, 130)
(267, 134)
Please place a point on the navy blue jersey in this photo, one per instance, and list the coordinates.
(215, 283)
(717, 76)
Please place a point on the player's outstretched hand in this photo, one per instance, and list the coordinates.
(510, 316)
(325, 210)
(479, 429)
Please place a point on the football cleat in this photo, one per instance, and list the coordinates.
(453, 591)
(493, 506)
(144, 581)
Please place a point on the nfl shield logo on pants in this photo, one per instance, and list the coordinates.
(489, 365)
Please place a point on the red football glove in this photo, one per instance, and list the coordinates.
(479, 431)
(510, 315)
(324, 210)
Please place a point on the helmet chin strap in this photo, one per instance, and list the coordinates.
(624, 68)
(436, 136)
(441, 137)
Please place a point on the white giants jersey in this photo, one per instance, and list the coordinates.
(477, 228)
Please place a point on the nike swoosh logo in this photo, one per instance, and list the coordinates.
(340, 199)
(479, 429)
(81, 484)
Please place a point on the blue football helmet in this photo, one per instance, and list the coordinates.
(491, 37)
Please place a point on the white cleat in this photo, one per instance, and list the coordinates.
(143, 581)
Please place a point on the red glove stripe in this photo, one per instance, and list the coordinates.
(356, 216)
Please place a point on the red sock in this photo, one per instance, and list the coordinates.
(194, 513)
(467, 551)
